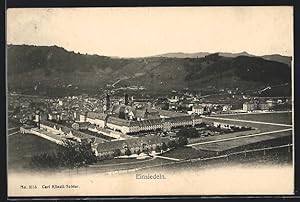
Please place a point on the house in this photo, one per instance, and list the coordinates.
(226, 108)
(81, 125)
(271, 103)
(249, 106)
(264, 106)
(197, 109)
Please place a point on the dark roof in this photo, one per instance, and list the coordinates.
(94, 115)
(179, 119)
(118, 121)
(84, 124)
(171, 114)
(198, 107)
(149, 122)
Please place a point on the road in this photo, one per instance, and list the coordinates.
(168, 158)
(121, 164)
(113, 85)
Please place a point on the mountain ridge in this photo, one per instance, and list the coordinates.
(273, 57)
(53, 67)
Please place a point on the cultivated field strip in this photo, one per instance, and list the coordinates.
(239, 137)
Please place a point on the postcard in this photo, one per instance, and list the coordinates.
(150, 101)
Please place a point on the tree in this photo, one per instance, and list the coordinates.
(172, 144)
(187, 132)
(164, 146)
(128, 152)
(117, 152)
(158, 148)
(71, 155)
(182, 141)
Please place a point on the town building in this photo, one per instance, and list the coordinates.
(66, 132)
(197, 109)
(249, 106)
(164, 120)
(81, 125)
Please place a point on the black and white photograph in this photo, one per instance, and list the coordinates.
(150, 101)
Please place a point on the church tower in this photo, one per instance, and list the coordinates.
(126, 99)
(107, 102)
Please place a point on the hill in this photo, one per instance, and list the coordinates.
(275, 57)
(46, 69)
(278, 58)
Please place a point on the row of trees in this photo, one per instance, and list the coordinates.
(72, 155)
(179, 142)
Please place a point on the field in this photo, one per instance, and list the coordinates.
(187, 153)
(21, 147)
(262, 127)
(249, 142)
(277, 157)
(282, 118)
(13, 124)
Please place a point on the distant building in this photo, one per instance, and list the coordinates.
(271, 103)
(249, 106)
(264, 106)
(60, 102)
(226, 108)
(173, 99)
(197, 109)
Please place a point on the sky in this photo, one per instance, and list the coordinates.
(147, 31)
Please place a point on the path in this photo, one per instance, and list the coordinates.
(13, 133)
(168, 158)
(113, 85)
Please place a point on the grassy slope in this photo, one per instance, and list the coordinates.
(282, 118)
(21, 147)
